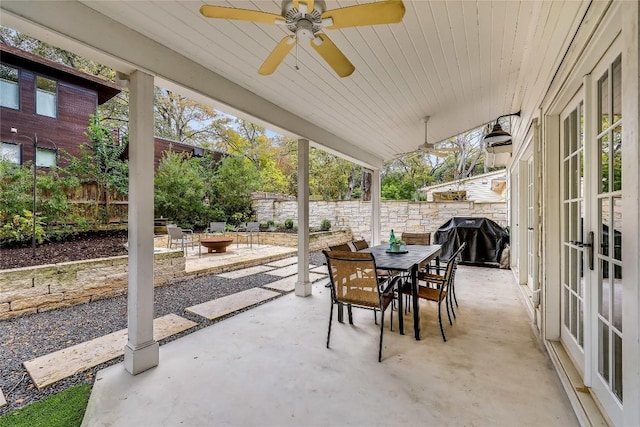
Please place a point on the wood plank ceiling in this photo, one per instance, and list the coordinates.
(461, 62)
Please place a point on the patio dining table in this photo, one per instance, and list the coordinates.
(406, 262)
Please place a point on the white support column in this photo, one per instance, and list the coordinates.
(375, 206)
(141, 352)
(303, 285)
(551, 225)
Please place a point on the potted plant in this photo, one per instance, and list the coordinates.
(398, 246)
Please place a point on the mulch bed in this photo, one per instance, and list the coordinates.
(88, 245)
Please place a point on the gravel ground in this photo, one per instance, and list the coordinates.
(28, 337)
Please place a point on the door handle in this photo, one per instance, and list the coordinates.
(588, 245)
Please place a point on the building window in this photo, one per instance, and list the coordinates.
(11, 152)
(46, 157)
(46, 97)
(9, 88)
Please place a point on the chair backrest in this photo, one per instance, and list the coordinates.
(453, 263)
(343, 247)
(253, 226)
(217, 227)
(174, 231)
(416, 238)
(353, 278)
(360, 244)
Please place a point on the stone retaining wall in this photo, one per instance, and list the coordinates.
(41, 288)
(317, 241)
(399, 215)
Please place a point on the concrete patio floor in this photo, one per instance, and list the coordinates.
(268, 366)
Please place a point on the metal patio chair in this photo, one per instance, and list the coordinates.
(182, 237)
(354, 283)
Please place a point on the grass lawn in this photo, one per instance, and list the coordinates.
(64, 409)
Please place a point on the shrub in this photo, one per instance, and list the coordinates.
(288, 223)
(19, 228)
(325, 225)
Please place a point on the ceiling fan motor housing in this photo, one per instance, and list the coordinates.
(303, 25)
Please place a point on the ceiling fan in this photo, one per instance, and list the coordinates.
(435, 149)
(307, 19)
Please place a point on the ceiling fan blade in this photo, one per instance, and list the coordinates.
(310, 6)
(277, 55)
(239, 14)
(384, 12)
(334, 57)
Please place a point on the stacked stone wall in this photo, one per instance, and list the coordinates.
(41, 288)
(317, 241)
(399, 215)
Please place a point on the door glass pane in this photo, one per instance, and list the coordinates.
(604, 288)
(580, 325)
(603, 103)
(572, 267)
(603, 353)
(616, 307)
(581, 125)
(616, 224)
(616, 78)
(566, 307)
(567, 129)
(573, 133)
(574, 314)
(617, 366)
(604, 162)
(603, 214)
(616, 161)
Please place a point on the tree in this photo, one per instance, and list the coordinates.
(185, 120)
(180, 191)
(235, 179)
(100, 163)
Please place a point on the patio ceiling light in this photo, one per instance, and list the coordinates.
(499, 140)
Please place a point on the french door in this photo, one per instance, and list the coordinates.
(531, 249)
(591, 196)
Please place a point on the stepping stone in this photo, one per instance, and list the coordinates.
(322, 269)
(3, 401)
(285, 271)
(284, 262)
(244, 272)
(53, 367)
(288, 284)
(220, 307)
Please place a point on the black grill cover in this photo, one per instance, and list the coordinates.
(485, 240)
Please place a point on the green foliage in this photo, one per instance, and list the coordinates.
(16, 188)
(235, 179)
(288, 223)
(19, 228)
(99, 162)
(325, 225)
(64, 409)
(180, 191)
(16, 192)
